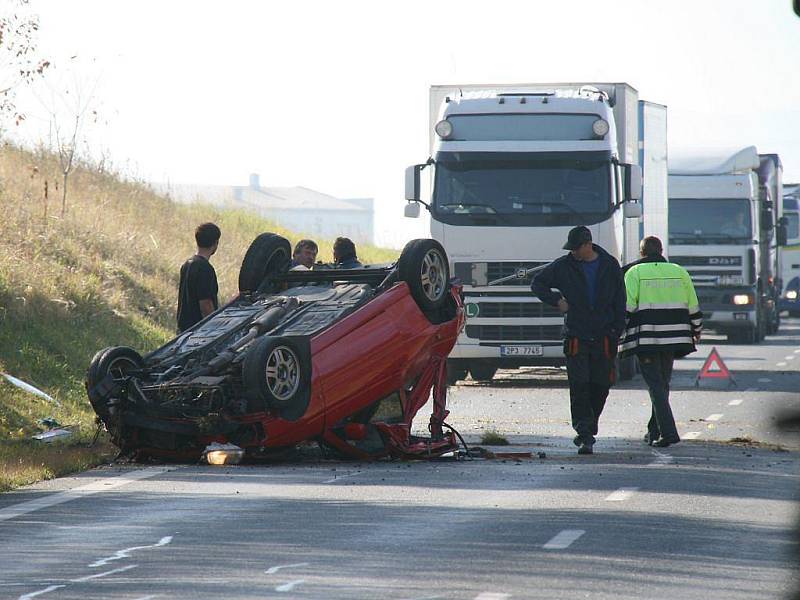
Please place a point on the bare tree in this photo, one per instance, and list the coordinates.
(20, 63)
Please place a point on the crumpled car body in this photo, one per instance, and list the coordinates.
(345, 358)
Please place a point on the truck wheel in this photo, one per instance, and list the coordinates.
(747, 336)
(626, 368)
(116, 361)
(482, 372)
(455, 372)
(274, 374)
(268, 255)
(423, 266)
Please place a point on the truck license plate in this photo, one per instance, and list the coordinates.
(535, 350)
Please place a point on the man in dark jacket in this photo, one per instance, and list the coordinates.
(344, 254)
(591, 296)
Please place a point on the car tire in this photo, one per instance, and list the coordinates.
(423, 266)
(481, 372)
(268, 255)
(274, 374)
(116, 360)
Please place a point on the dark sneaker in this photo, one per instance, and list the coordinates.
(576, 440)
(664, 442)
(649, 438)
(586, 448)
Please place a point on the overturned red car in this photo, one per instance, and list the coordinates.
(343, 357)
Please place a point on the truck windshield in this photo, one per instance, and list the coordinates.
(710, 221)
(522, 188)
(792, 226)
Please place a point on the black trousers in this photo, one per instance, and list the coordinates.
(591, 373)
(656, 368)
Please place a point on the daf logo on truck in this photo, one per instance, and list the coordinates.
(725, 260)
(513, 168)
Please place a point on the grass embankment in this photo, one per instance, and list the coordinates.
(104, 274)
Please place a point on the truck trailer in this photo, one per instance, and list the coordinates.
(726, 229)
(512, 169)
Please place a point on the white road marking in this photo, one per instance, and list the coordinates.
(106, 573)
(120, 554)
(150, 597)
(780, 364)
(621, 494)
(288, 587)
(40, 592)
(564, 539)
(272, 570)
(764, 380)
(691, 435)
(714, 417)
(337, 478)
(797, 351)
(492, 596)
(102, 485)
(735, 402)
(661, 458)
(790, 357)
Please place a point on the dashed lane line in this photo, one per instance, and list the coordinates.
(780, 364)
(126, 553)
(338, 477)
(46, 590)
(691, 435)
(102, 485)
(764, 380)
(288, 587)
(104, 574)
(621, 494)
(492, 596)
(790, 357)
(735, 402)
(273, 570)
(564, 539)
(714, 417)
(797, 351)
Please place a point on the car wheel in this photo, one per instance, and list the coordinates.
(116, 361)
(482, 372)
(423, 266)
(274, 374)
(268, 255)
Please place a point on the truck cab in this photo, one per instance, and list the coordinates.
(722, 229)
(512, 170)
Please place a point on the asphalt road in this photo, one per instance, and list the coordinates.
(707, 518)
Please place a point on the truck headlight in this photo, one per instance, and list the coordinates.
(742, 299)
(791, 294)
(444, 129)
(600, 128)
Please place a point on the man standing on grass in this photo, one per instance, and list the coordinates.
(197, 294)
(664, 323)
(591, 296)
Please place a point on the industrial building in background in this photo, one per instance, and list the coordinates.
(297, 208)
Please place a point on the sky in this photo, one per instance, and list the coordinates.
(333, 95)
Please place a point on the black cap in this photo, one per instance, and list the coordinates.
(577, 237)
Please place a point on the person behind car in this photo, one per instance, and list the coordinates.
(591, 296)
(305, 253)
(664, 322)
(198, 289)
(344, 254)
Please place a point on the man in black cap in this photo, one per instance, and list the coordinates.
(592, 300)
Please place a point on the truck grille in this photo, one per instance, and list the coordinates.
(508, 333)
(510, 310)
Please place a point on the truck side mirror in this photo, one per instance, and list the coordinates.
(632, 210)
(412, 182)
(412, 210)
(782, 235)
(633, 182)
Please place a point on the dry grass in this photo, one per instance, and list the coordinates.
(104, 274)
(492, 438)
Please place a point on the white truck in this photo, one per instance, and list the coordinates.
(512, 169)
(790, 254)
(725, 228)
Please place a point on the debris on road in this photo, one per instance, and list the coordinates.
(29, 388)
(223, 454)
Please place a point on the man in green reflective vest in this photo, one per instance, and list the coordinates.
(664, 322)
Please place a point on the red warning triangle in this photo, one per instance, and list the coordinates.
(714, 367)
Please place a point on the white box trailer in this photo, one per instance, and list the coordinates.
(512, 169)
